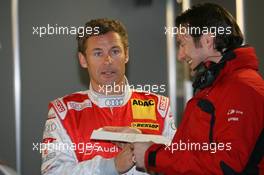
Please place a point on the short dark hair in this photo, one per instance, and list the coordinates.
(104, 26)
(212, 15)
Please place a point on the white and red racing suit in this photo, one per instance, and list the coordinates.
(72, 118)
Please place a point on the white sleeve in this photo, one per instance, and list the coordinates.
(169, 125)
(164, 110)
(58, 156)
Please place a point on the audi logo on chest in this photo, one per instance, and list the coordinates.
(114, 102)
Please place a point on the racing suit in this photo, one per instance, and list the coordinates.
(222, 127)
(68, 149)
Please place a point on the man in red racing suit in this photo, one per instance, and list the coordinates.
(67, 147)
(72, 119)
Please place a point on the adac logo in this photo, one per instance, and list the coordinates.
(143, 102)
(145, 125)
(143, 109)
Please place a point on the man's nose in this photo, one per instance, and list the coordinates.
(108, 59)
(181, 55)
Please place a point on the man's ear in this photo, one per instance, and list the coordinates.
(207, 40)
(82, 60)
(127, 55)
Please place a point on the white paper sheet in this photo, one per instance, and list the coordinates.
(128, 137)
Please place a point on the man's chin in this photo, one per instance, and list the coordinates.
(107, 81)
(192, 73)
(107, 84)
(193, 70)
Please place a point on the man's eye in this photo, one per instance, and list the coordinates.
(115, 51)
(179, 44)
(97, 54)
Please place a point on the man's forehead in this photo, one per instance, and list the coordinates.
(109, 36)
(108, 39)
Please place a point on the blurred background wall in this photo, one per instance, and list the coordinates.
(49, 67)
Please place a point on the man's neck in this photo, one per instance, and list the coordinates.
(213, 57)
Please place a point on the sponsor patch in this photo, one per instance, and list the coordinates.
(143, 109)
(78, 106)
(234, 111)
(234, 115)
(112, 102)
(59, 106)
(144, 125)
(48, 140)
(97, 148)
(163, 105)
(50, 127)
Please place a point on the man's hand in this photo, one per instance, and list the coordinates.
(124, 159)
(139, 152)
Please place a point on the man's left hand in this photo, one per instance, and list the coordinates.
(139, 152)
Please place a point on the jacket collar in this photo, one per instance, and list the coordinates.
(110, 100)
(237, 59)
(245, 58)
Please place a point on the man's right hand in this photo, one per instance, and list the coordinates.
(124, 159)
